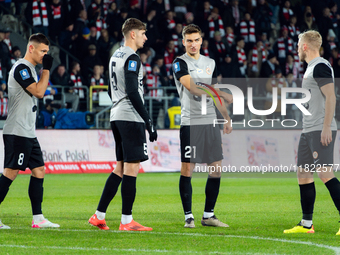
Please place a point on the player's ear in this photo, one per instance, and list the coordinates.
(133, 34)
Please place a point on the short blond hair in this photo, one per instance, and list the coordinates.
(312, 38)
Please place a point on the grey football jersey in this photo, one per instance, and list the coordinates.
(124, 59)
(319, 73)
(201, 71)
(22, 105)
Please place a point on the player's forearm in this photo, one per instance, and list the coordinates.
(223, 109)
(329, 110)
(42, 84)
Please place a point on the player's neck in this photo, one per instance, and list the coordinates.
(311, 56)
(29, 59)
(130, 44)
(194, 56)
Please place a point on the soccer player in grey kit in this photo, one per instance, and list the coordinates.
(316, 146)
(129, 119)
(200, 140)
(22, 148)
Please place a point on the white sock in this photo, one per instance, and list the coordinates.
(126, 219)
(100, 215)
(187, 216)
(208, 214)
(38, 218)
(306, 223)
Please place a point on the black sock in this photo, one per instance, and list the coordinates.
(4, 187)
(128, 190)
(333, 187)
(35, 192)
(307, 195)
(212, 189)
(185, 190)
(109, 191)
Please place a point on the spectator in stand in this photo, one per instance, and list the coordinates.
(335, 17)
(168, 23)
(233, 15)
(36, 14)
(205, 13)
(80, 23)
(89, 62)
(159, 7)
(189, 18)
(332, 43)
(215, 23)
(219, 51)
(334, 60)
(256, 57)
(112, 16)
(118, 23)
(57, 20)
(282, 47)
(247, 31)
(93, 35)
(152, 29)
(61, 77)
(97, 79)
(266, 44)
(294, 30)
(274, 5)
(228, 40)
(95, 11)
(75, 6)
(276, 81)
(205, 49)
(81, 44)
(177, 37)
(76, 81)
(159, 61)
(105, 44)
(262, 14)
(169, 56)
(146, 66)
(308, 22)
(286, 13)
(7, 39)
(155, 80)
(16, 54)
(5, 54)
(66, 40)
(134, 11)
(269, 66)
(239, 56)
(324, 24)
(292, 66)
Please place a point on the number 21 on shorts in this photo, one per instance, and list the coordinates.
(190, 151)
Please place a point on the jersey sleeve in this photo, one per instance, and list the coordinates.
(180, 68)
(23, 76)
(322, 74)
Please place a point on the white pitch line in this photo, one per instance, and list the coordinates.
(333, 248)
(120, 250)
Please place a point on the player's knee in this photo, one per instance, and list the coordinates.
(38, 172)
(186, 169)
(10, 173)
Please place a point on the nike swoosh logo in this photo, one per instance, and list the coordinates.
(192, 70)
(316, 161)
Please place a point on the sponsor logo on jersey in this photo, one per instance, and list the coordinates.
(24, 74)
(132, 65)
(315, 154)
(208, 70)
(176, 67)
(199, 70)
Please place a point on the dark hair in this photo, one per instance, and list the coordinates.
(39, 38)
(73, 64)
(131, 24)
(191, 29)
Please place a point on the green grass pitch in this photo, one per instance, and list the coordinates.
(257, 208)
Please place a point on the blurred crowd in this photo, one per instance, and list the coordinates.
(246, 38)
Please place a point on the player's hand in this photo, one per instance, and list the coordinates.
(47, 62)
(152, 131)
(326, 136)
(227, 128)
